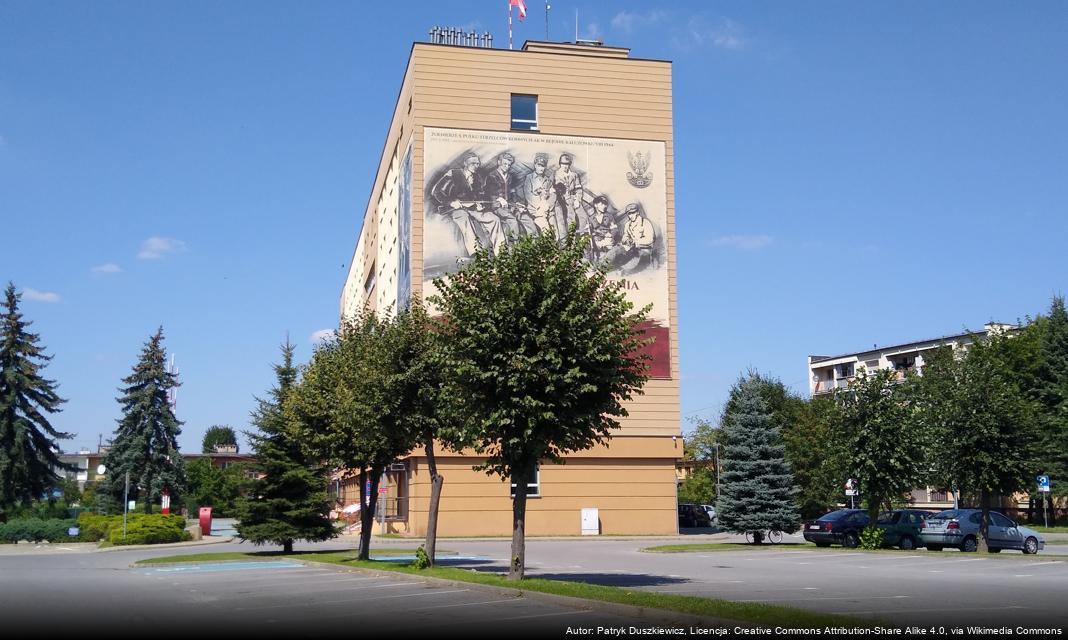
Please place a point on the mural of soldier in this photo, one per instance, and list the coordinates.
(539, 196)
(638, 241)
(460, 195)
(604, 232)
(570, 208)
(501, 187)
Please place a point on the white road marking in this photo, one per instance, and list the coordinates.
(1039, 564)
(1024, 575)
(306, 603)
(464, 604)
(350, 612)
(828, 598)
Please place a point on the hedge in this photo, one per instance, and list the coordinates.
(36, 530)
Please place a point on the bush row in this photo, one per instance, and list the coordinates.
(36, 530)
(140, 528)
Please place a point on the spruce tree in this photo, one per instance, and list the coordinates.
(146, 440)
(757, 486)
(289, 503)
(1053, 399)
(28, 450)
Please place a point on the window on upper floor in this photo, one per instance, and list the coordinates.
(524, 112)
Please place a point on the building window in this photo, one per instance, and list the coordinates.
(524, 112)
(845, 370)
(533, 484)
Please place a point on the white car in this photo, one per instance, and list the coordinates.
(710, 510)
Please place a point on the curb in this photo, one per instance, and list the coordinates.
(172, 545)
(650, 614)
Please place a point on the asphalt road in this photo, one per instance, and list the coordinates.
(102, 590)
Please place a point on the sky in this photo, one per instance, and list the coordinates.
(847, 174)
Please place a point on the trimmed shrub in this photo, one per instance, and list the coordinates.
(149, 529)
(35, 530)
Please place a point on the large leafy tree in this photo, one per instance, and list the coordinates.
(986, 441)
(210, 486)
(811, 450)
(757, 485)
(145, 444)
(542, 351)
(289, 502)
(1052, 396)
(28, 442)
(425, 401)
(218, 435)
(884, 448)
(349, 407)
(699, 449)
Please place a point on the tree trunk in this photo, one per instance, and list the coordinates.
(287, 546)
(519, 517)
(436, 481)
(1051, 508)
(364, 498)
(984, 523)
(367, 517)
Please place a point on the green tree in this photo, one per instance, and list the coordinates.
(700, 449)
(218, 435)
(986, 440)
(425, 406)
(289, 502)
(813, 453)
(146, 440)
(884, 447)
(756, 484)
(699, 487)
(1052, 396)
(210, 486)
(349, 409)
(28, 442)
(542, 350)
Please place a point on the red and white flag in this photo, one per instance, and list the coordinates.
(522, 7)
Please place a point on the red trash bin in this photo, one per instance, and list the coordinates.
(205, 521)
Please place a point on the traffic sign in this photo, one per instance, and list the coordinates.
(1043, 484)
(851, 487)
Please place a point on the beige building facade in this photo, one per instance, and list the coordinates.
(486, 144)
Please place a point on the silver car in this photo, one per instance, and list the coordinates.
(960, 528)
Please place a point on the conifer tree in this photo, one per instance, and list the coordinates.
(1053, 399)
(146, 440)
(28, 451)
(756, 484)
(289, 503)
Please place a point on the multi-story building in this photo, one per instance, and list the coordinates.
(827, 373)
(486, 144)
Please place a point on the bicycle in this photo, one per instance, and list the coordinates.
(759, 536)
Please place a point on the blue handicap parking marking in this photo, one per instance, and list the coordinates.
(222, 566)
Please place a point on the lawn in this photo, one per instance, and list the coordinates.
(751, 612)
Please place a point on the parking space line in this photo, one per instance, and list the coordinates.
(828, 598)
(352, 612)
(1039, 564)
(465, 604)
(306, 604)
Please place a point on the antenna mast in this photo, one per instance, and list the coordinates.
(547, 7)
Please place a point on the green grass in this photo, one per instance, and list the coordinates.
(765, 614)
(1058, 529)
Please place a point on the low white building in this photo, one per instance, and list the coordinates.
(827, 373)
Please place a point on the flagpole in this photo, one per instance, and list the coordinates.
(509, 26)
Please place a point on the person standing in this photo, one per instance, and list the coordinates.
(540, 197)
(569, 206)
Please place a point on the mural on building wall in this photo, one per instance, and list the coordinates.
(404, 233)
(484, 188)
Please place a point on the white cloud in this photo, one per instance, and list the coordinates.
(40, 296)
(155, 248)
(591, 31)
(627, 21)
(106, 269)
(744, 243)
(322, 335)
(722, 34)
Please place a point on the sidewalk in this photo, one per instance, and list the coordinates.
(93, 547)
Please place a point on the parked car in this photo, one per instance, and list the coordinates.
(692, 515)
(960, 528)
(902, 528)
(837, 527)
(710, 510)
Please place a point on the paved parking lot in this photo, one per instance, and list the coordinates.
(273, 598)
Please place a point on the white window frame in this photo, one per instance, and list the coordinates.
(514, 120)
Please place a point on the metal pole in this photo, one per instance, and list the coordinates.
(125, 504)
(717, 473)
(547, 7)
(509, 27)
(1045, 507)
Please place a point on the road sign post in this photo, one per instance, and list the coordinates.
(1043, 487)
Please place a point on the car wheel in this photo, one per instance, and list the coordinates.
(907, 544)
(969, 545)
(823, 544)
(850, 541)
(934, 547)
(1030, 546)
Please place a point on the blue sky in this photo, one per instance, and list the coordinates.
(847, 174)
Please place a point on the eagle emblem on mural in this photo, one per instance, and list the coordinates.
(640, 176)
